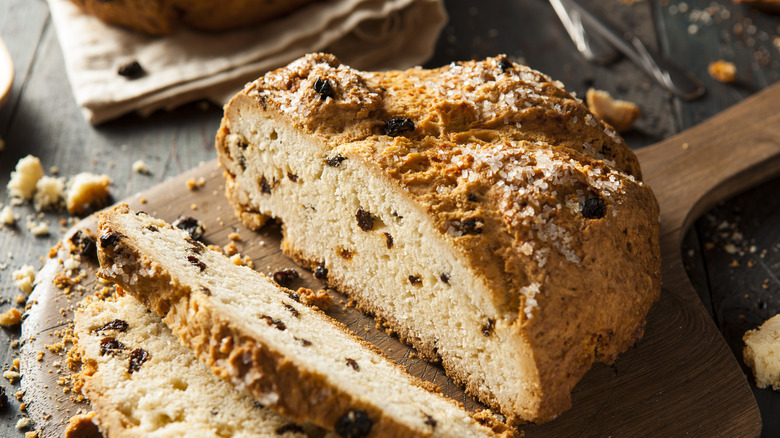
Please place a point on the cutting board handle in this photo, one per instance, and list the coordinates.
(734, 150)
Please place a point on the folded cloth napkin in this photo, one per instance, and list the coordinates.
(190, 65)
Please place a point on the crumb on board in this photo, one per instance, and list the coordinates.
(85, 191)
(10, 317)
(11, 376)
(723, 71)
(7, 217)
(82, 426)
(24, 278)
(319, 299)
(621, 114)
(25, 176)
(139, 166)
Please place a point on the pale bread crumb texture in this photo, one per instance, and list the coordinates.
(24, 177)
(621, 114)
(49, 193)
(24, 277)
(171, 393)
(762, 353)
(87, 190)
(7, 216)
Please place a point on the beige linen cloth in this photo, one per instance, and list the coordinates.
(189, 66)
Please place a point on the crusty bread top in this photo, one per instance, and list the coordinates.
(515, 172)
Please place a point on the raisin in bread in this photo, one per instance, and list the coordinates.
(160, 17)
(290, 357)
(143, 383)
(762, 353)
(479, 209)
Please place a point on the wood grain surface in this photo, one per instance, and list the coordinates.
(681, 371)
(739, 289)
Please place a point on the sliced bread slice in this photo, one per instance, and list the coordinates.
(290, 357)
(142, 382)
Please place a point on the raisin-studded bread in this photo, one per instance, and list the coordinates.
(290, 357)
(143, 383)
(479, 209)
(762, 353)
(160, 17)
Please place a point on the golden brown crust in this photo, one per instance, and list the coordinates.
(160, 17)
(503, 161)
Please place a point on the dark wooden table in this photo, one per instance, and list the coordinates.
(732, 252)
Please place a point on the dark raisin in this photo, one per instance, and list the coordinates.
(192, 226)
(594, 208)
(289, 428)
(398, 125)
(274, 322)
(415, 280)
(346, 254)
(152, 228)
(323, 88)
(137, 358)
(205, 290)
(335, 161)
(365, 220)
(85, 244)
(131, 70)
(117, 324)
(284, 277)
(321, 272)
(292, 309)
(258, 405)
(305, 342)
(214, 411)
(444, 278)
(195, 246)
(430, 421)
(292, 177)
(389, 240)
(353, 424)
(471, 197)
(241, 161)
(110, 346)
(505, 65)
(109, 239)
(469, 226)
(353, 363)
(3, 399)
(264, 186)
(293, 296)
(195, 261)
(487, 329)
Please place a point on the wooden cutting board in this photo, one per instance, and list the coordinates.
(679, 380)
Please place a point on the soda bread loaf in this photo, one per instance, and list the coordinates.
(290, 357)
(143, 383)
(160, 17)
(478, 209)
(762, 353)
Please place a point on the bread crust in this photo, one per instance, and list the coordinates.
(596, 274)
(161, 17)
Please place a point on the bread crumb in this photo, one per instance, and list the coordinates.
(142, 200)
(191, 184)
(723, 71)
(32, 434)
(7, 216)
(82, 426)
(193, 207)
(11, 317)
(234, 236)
(23, 179)
(87, 190)
(319, 299)
(22, 423)
(38, 229)
(620, 114)
(20, 299)
(48, 193)
(11, 376)
(762, 348)
(24, 278)
(230, 249)
(140, 167)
